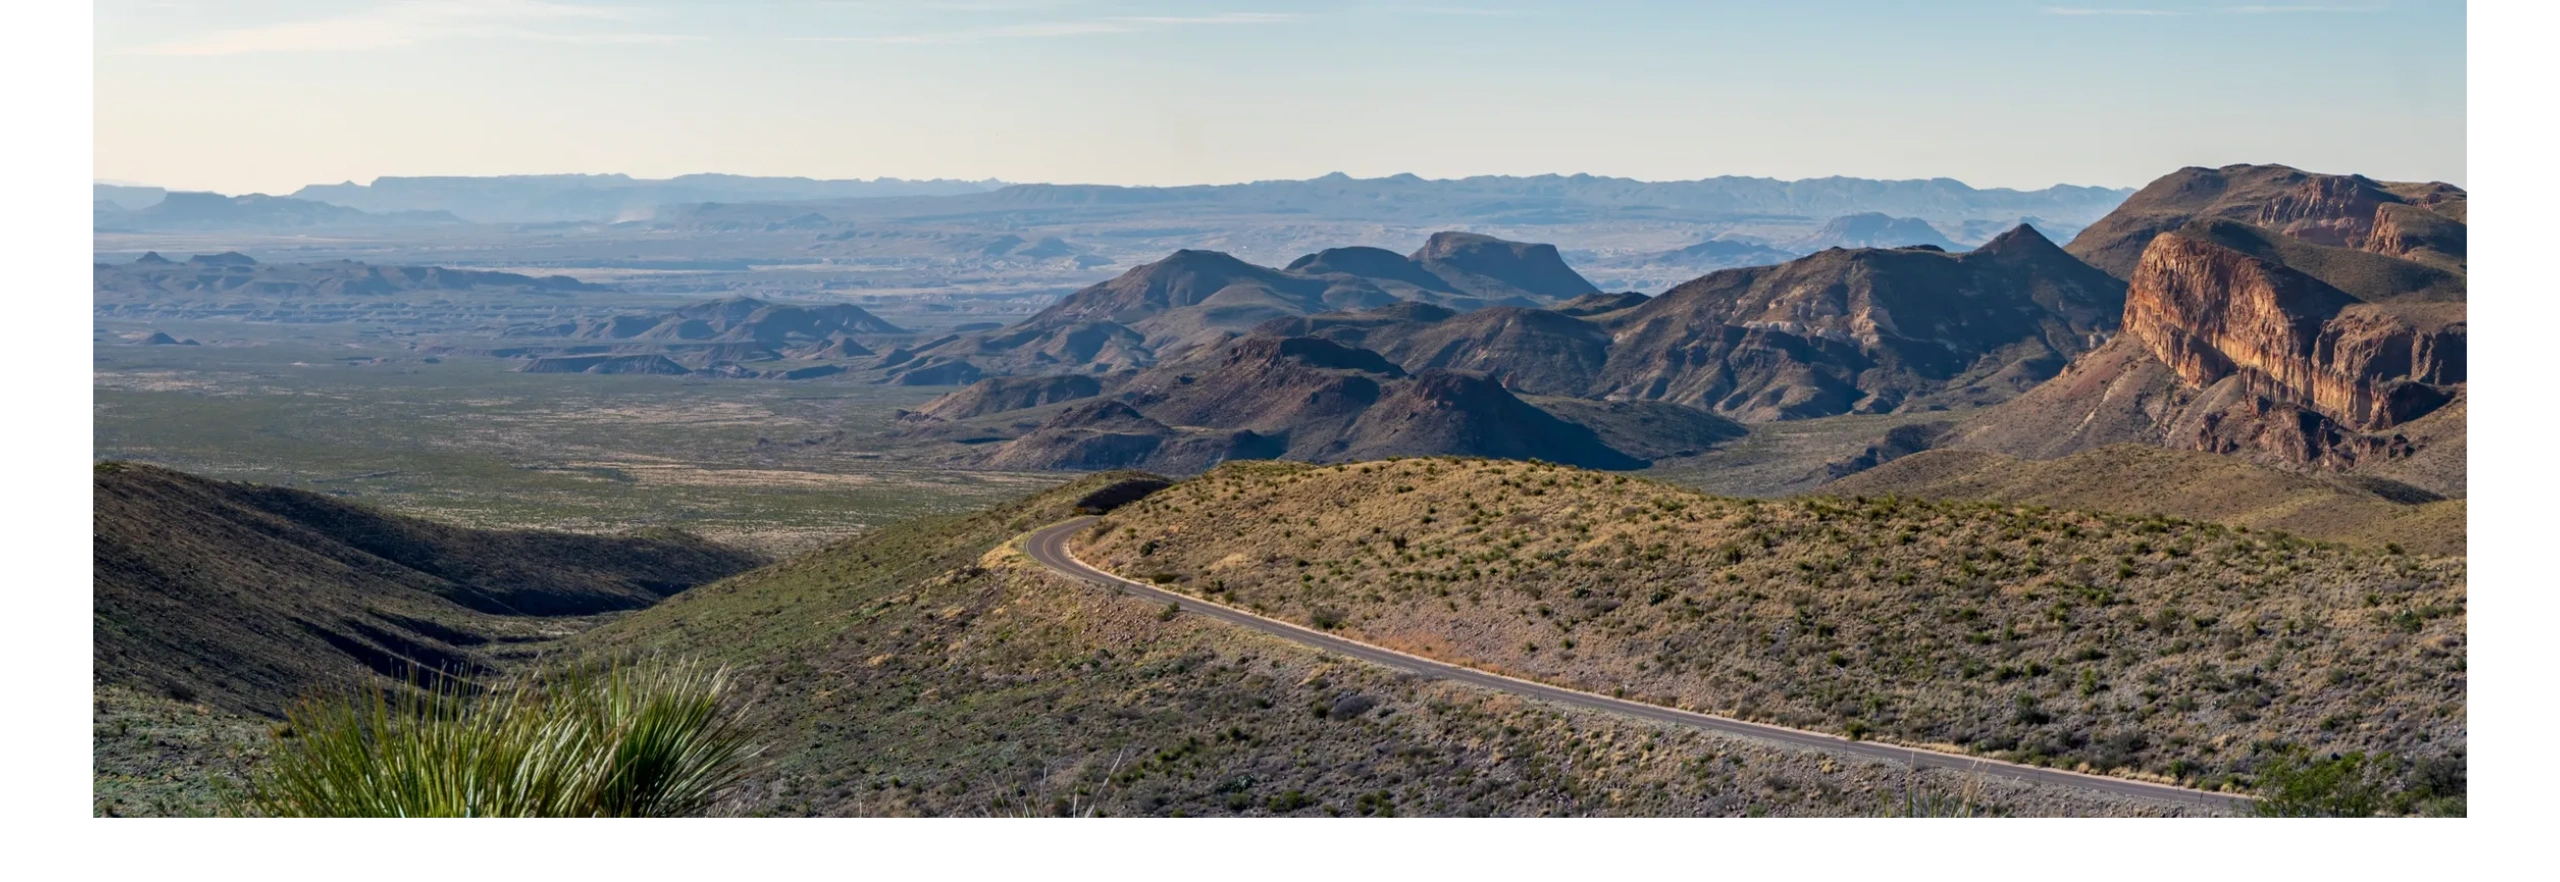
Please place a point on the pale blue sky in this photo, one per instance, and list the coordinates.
(267, 96)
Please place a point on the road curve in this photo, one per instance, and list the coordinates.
(1048, 547)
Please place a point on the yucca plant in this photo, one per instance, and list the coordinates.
(654, 739)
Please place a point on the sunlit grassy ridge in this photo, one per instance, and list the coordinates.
(929, 669)
(2139, 645)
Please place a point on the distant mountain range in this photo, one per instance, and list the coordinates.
(541, 198)
(1541, 199)
(1489, 200)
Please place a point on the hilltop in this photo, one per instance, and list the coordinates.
(2126, 644)
(931, 669)
(242, 596)
(2324, 209)
(1873, 229)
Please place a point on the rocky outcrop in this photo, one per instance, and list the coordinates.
(2244, 341)
(2414, 233)
(2322, 209)
(1897, 442)
(2211, 313)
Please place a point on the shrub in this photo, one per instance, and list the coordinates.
(624, 740)
(1289, 802)
(2294, 785)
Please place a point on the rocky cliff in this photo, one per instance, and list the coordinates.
(2242, 340)
(2212, 313)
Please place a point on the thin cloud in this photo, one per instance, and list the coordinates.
(1115, 25)
(2084, 10)
(409, 22)
(2277, 10)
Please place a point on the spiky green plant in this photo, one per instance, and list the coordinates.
(653, 739)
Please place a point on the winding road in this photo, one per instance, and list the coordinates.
(1048, 547)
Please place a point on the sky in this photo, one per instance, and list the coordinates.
(262, 96)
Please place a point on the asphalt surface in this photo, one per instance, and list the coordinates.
(1048, 546)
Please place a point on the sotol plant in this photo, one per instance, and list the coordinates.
(653, 739)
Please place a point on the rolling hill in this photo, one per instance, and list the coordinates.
(931, 669)
(2128, 644)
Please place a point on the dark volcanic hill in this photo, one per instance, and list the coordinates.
(243, 596)
(1310, 398)
(1536, 351)
(234, 277)
(2335, 210)
(1864, 331)
(1192, 299)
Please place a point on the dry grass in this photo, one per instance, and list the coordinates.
(929, 669)
(2196, 485)
(2143, 646)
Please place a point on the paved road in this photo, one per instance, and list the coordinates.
(1048, 546)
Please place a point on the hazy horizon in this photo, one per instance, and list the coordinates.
(1008, 183)
(270, 96)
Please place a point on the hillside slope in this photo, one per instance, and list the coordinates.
(242, 596)
(2141, 479)
(931, 669)
(1864, 331)
(2124, 644)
